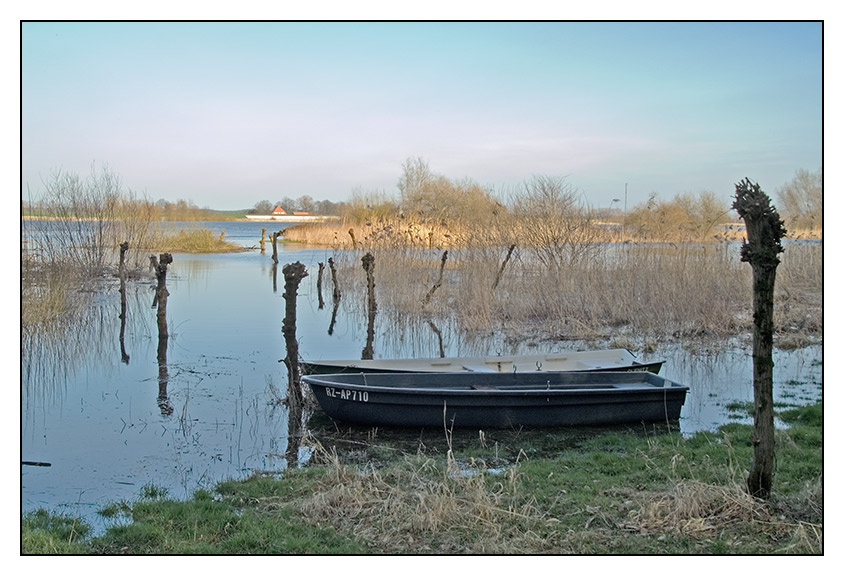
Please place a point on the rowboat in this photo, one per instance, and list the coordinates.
(618, 359)
(499, 400)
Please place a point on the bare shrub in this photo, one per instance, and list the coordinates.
(685, 218)
(801, 202)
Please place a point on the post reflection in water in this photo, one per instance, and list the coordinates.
(124, 356)
(294, 433)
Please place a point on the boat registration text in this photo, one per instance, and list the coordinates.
(342, 394)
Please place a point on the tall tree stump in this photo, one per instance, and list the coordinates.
(765, 230)
(368, 262)
(293, 275)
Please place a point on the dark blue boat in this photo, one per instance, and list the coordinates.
(497, 400)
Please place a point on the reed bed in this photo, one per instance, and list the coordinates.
(636, 292)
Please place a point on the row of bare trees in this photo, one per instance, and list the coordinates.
(89, 218)
(550, 212)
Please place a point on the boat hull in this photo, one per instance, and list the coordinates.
(498, 400)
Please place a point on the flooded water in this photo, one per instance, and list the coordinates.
(99, 412)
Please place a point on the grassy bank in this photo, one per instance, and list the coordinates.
(610, 491)
(196, 241)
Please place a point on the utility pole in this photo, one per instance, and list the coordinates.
(624, 217)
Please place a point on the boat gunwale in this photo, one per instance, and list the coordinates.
(503, 389)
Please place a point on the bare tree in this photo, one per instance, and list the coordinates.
(553, 223)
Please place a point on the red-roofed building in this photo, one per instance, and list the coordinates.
(278, 211)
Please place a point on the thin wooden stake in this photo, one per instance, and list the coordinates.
(439, 281)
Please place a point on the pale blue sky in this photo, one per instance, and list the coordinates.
(227, 114)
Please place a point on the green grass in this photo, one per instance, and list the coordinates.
(44, 533)
(601, 491)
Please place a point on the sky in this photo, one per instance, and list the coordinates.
(227, 114)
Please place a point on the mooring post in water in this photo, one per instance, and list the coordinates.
(161, 292)
(293, 274)
(439, 281)
(124, 247)
(319, 285)
(368, 261)
(765, 230)
(263, 238)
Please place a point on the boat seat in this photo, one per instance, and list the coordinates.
(478, 368)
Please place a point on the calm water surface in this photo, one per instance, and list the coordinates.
(95, 415)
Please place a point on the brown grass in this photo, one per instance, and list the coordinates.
(424, 507)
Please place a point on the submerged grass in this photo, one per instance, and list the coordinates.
(610, 491)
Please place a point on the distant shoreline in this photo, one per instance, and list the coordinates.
(291, 218)
(247, 218)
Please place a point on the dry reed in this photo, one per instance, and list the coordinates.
(643, 293)
(700, 510)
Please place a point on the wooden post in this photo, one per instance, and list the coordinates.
(293, 274)
(439, 337)
(765, 230)
(368, 261)
(263, 238)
